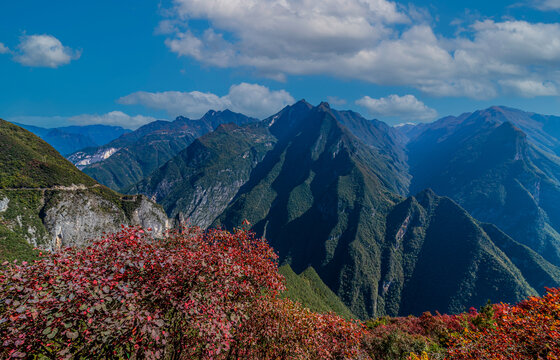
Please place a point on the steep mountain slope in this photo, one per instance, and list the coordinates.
(388, 141)
(134, 156)
(538, 272)
(216, 166)
(326, 199)
(494, 171)
(309, 290)
(69, 139)
(316, 174)
(46, 202)
(437, 257)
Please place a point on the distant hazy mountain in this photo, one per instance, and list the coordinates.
(325, 188)
(46, 202)
(488, 164)
(69, 139)
(135, 155)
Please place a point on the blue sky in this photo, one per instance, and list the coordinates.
(129, 62)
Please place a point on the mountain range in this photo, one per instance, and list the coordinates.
(131, 157)
(371, 219)
(69, 139)
(497, 171)
(328, 190)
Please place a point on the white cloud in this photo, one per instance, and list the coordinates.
(112, 118)
(249, 99)
(512, 45)
(547, 5)
(372, 40)
(336, 101)
(4, 49)
(407, 108)
(44, 51)
(176, 103)
(278, 29)
(530, 88)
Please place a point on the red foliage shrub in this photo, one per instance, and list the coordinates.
(282, 329)
(398, 337)
(189, 295)
(529, 330)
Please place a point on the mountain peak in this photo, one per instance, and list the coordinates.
(301, 102)
(324, 106)
(210, 113)
(426, 198)
(227, 127)
(506, 109)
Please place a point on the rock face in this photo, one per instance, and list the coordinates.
(74, 218)
(149, 215)
(82, 159)
(53, 219)
(4, 204)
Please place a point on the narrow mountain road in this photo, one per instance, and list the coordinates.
(62, 188)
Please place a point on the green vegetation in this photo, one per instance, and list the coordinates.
(20, 224)
(28, 162)
(309, 290)
(14, 247)
(538, 272)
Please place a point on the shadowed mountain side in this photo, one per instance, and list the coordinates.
(493, 170)
(437, 257)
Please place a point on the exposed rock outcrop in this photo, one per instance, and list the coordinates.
(53, 219)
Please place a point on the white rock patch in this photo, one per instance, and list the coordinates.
(4, 204)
